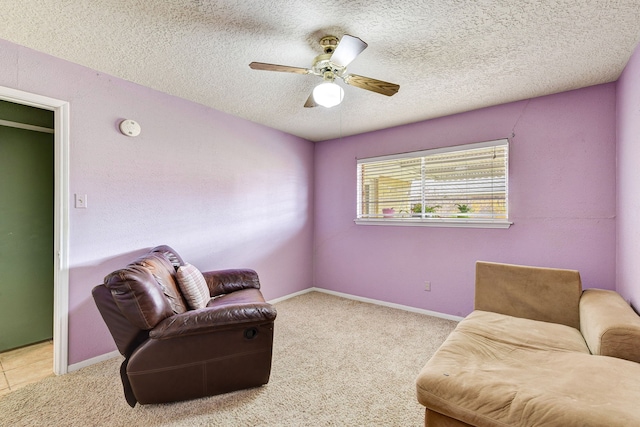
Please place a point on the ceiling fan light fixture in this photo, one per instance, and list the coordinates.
(331, 64)
(328, 94)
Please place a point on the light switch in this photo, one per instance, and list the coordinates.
(81, 201)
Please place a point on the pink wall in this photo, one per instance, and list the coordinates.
(628, 217)
(562, 203)
(222, 191)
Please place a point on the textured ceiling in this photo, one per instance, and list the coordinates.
(448, 56)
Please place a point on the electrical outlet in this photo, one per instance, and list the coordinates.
(427, 286)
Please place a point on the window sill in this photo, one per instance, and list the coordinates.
(435, 222)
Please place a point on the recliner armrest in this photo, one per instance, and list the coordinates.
(228, 281)
(210, 319)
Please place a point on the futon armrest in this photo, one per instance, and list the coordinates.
(210, 319)
(609, 325)
(536, 293)
(227, 281)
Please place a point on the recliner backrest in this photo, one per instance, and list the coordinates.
(146, 291)
(170, 254)
(126, 335)
(164, 272)
(138, 296)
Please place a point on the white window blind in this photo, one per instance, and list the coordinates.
(463, 184)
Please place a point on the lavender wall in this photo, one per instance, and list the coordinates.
(628, 219)
(225, 192)
(220, 190)
(562, 203)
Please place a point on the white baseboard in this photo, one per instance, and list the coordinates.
(295, 294)
(371, 301)
(93, 361)
(115, 353)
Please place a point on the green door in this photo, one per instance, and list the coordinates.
(26, 227)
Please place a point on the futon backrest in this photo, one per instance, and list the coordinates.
(537, 293)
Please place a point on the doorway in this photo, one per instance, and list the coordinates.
(26, 225)
(60, 216)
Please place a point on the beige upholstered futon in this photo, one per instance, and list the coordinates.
(537, 351)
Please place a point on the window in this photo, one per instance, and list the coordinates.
(454, 186)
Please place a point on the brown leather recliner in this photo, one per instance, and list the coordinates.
(173, 353)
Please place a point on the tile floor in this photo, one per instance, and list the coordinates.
(25, 365)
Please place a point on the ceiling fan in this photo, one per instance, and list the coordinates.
(331, 64)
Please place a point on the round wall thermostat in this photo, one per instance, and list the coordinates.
(130, 127)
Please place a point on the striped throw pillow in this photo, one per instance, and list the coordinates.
(193, 286)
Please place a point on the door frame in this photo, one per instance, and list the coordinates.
(60, 216)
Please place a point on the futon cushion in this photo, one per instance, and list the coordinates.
(609, 325)
(499, 370)
(193, 286)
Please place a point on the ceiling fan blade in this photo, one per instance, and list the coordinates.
(274, 67)
(347, 50)
(379, 86)
(310, 102)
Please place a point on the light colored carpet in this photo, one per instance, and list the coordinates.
(336, 362)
